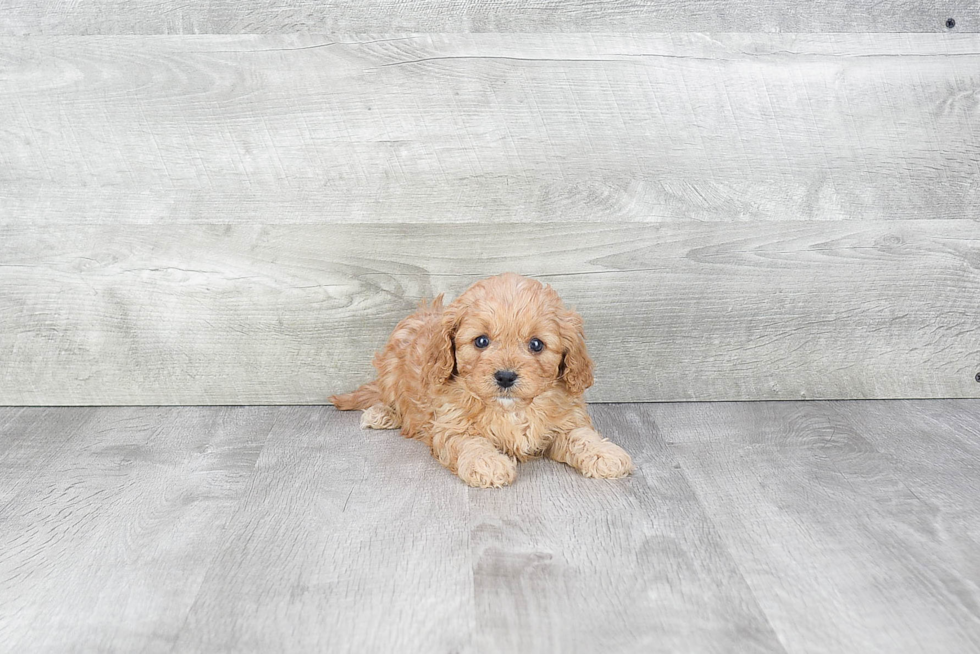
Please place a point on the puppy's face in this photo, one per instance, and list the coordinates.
(514, 339)
(501, 354)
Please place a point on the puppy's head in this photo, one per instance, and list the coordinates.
(511, 338)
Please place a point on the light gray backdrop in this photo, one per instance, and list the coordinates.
(235, 202)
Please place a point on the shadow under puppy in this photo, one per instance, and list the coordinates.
(494, 378)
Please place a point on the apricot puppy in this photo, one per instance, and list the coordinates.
(494, 378)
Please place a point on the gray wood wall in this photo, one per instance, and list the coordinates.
(235, 202)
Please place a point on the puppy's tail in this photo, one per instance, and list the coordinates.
(363, 398)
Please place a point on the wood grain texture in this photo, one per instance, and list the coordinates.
(32, 439)
(562, 563)
(826, 530)
(791, 526)
(105, 544)
(935, 448)
(346, 541)
(454, 128)
(22, 17)
(292, 313)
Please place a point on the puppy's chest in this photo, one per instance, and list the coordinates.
(521, 433)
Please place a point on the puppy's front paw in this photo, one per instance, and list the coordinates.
(606, 461)
(487, 470)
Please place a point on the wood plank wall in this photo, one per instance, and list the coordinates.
(231, 203)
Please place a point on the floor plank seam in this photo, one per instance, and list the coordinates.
(727, 548)
(219, 551)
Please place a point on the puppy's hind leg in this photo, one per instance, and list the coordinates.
(363, 398)
(380, 416)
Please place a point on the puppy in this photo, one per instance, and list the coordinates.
(494, 378)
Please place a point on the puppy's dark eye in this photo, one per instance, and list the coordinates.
(536, 345)
(481, 342)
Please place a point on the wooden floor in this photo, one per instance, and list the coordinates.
(777, 527)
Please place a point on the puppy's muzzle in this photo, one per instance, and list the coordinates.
(505, 378)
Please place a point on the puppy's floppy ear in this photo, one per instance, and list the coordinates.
(440, 356)
(576, 366)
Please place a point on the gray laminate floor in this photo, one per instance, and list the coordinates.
(797, 527)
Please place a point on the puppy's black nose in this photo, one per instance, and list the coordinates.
(505, 378)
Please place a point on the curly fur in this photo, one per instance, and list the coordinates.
(439, 387)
